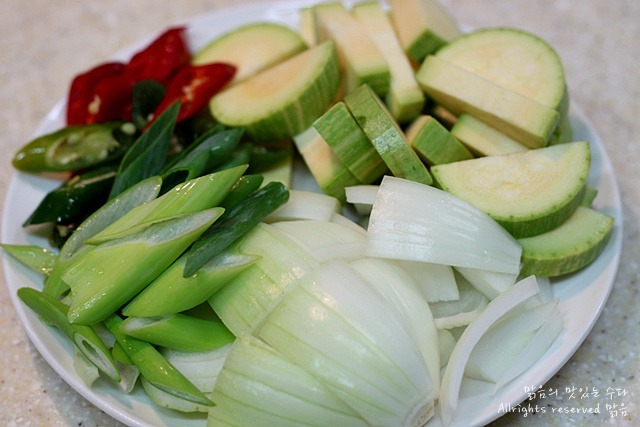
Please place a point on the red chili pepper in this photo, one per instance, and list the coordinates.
(194, 85)
(162, 58)
(104, 93)
(82, 91)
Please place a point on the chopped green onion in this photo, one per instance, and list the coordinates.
(107, 276)
(179, 332)
(171, 292)
(155, 367)
(235, 223)
(84, 337)
(35, 257)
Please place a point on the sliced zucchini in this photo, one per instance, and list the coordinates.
(252, 48)
(326, 167)
(283, 100)
(405, 98)
(517, 60)
(528, 192)
(307, 26)
(343, 134)
(434, 144)
(569, 247)
(460, 91)
(422, 26)
(386, 136)
(482, 139)
(361, 61)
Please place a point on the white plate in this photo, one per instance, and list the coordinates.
(582, 295)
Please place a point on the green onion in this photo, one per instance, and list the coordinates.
(171, 292)
(148, 154)
(192, 196)
(111, 211)
(84, 338)
(154, 367)
(179, 332)
(246, 185)
(235, 222)
(33, 256)
(104, 278)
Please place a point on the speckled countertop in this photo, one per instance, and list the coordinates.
(44, 43)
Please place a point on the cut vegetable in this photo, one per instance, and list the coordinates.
(569, 247)
(436, 282)
(35, 257)
(434, 143)
(325, 240)
(305, 205)
(283, 100)
(489, 283)
(307, 26)
(362, 197)
(482, 139)
(342, 332)
(259, 386)
(422, 26)
(385, 134)
(462, 311)
(361, 61)
(247, 299)
(527, 192)
(327, 169)
(517, 60)
(398, 288)
(535, 349)
(202, 367)
(106, 277)
(503, 304)
(178, 332)
(171, 292)
(460, 91)
(417, 222)
(405, 98)
(251, 48)
(349, 143)
(499, 347)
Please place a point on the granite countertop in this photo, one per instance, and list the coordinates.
(44, 43)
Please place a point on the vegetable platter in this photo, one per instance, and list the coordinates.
(581, 295)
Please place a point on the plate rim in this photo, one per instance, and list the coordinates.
(30, 322)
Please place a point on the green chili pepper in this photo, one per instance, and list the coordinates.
(75, 147)
(77, 197)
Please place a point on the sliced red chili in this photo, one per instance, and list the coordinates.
(194, 85)
(162, 58)
(82, 91)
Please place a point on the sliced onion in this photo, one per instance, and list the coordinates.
(259, 386)
(325, 240)
(343, 220)
(397, 287)
(248, 298)
(305, 205)
(342, 332)
(517, 295)
(435, 282)
(460, 312)
(362, 197)
(500, 346)
(535, 349)
(201, 367)
(413, 221)
(490, 283)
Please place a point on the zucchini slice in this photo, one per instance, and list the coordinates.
(528, 192)
(283, 100)
(568, 248)
(252, 48)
